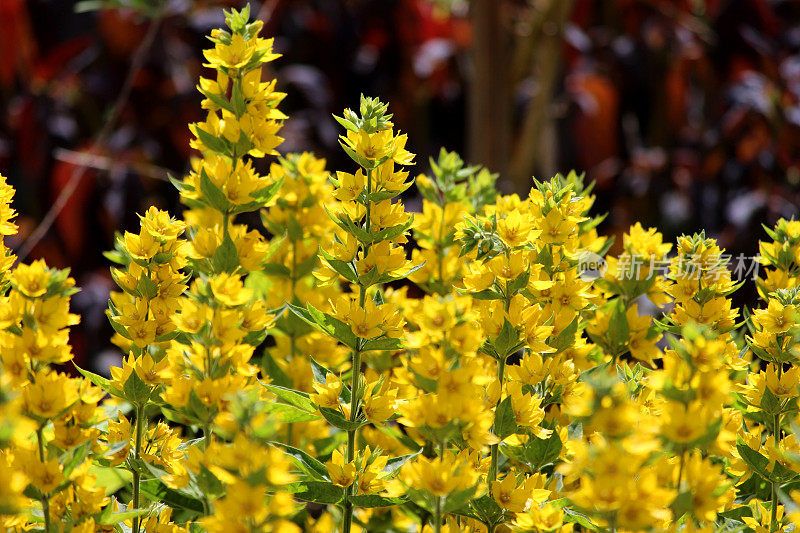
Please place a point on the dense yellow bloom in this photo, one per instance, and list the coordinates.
(509, 495)
(440, 476)
(503, 376)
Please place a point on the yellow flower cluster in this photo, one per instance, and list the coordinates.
(481, 366)
(49, 420)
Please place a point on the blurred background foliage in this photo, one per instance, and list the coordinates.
(686, 113)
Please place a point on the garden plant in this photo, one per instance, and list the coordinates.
(342, 364)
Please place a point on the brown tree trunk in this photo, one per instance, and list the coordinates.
(489, 123)
(536, 144)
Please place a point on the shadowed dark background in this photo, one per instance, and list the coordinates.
(684, 113)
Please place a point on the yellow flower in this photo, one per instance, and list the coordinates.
(229, 290)
(784, 386)
(516, 229)
(49, 394)
(350, 186)
(440, 476)
(508, 495)
(379, 406)
(142, 247)
(31, 280)
(235, 54)
(44, 475)
(683, 424)
(341, 473)
(327, 394)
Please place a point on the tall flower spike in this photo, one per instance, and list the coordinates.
(366, 251)
(243, 122)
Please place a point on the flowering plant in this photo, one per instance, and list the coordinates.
(285, 377)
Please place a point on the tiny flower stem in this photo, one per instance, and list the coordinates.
(45, 499)
(141, 424)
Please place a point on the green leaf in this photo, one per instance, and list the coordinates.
(99, 381)
(213, 194)
(135, 390)
(274, 372)
(682, 503)
(288, 414)
(374, 500)
(211, 142)
(218, 100)
(322, 492)
(110, 478)
(394, 464)
(507, 342)
(292, 397)
(116, 326)
(574, 516)
(146, 287)
(263, 196)
(276, 269)
(753, 487)
(338, 420)
(737, 513)
(770, 403)
(486, 294)
(565, 338)
(343, 268)
(757, 462)
(487, 509)
(324, 322)
(390, 233)
(121, 516)
(156, 490)
(226, 258)
(401, 437)
(618, 328)
(505, 422)
(383, 343)
(306, 267)
(542, 452)
(294, 229)
(781, 474)
(457, 503)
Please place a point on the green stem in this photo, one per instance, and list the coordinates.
(45, 499)
(773, 516)
(206, 435)
(292, 337)
(437, 516)
(680, 469)
(437, 511)
(356, 374)
(225, 221)
(440, 250)
(494, 448)
(351, 434)
(141, 424)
